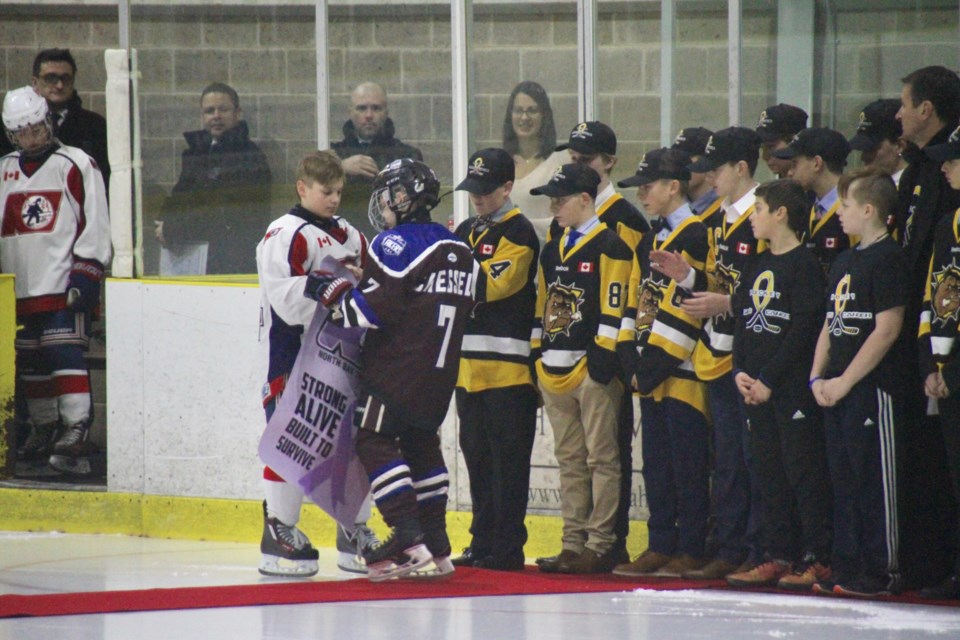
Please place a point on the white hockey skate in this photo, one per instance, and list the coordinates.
(73, 451)
(352, 545)
(286, 550)
(441, 566)
(402, 553)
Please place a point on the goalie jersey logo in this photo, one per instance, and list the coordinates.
(31, 212)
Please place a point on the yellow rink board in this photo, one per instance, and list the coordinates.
(217, 519)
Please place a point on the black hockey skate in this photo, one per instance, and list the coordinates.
(400, 554)
(286, 550)
(39, 444)
(72, 452)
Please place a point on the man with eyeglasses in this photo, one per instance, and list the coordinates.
(368, 146)
(54, 74)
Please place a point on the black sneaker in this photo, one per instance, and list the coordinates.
(863, 587)
(467, 558)
(949, 589)
(508, 562)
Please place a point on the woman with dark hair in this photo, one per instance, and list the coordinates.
(530, 136)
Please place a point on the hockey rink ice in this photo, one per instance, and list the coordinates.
(36, 563)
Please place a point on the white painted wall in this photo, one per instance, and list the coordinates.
(184, 376)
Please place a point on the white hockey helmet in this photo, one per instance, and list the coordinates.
(23, 107)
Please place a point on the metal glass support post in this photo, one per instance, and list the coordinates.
(320, 25)
(734, 66)
(587, 59)
(461, 25)
(668, 20)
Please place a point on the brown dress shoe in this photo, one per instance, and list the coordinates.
(716, 569)
(681, 564)
(646, 563)
(589, 562)
(552, 563)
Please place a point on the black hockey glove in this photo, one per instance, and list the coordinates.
(83, 285)
(325, 288)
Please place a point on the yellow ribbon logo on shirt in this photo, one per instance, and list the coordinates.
(762, 293)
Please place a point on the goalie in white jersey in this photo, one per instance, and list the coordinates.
(55, 239)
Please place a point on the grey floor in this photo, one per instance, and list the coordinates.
(58, 563)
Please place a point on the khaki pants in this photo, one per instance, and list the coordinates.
(584, 425)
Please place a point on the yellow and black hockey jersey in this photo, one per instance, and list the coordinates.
(732, 252)
(660, 337)
(581, 298)
(620, 216)
(940, 314)
(496, 345)
(825, 237)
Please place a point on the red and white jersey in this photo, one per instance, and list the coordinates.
(294, 245)
(54, 213)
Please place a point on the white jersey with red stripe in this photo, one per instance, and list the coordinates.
(54, 214)
(294, 246)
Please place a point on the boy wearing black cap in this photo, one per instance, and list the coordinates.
(731, 159)
(819, 156)
(594, 144)
(879, 138)
(939, 347)
(777, 126)
(661, 338)
(581, 296)
(704, 201)
(496, 399)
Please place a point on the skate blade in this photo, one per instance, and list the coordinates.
(442, 569)
(350, 563)
(417, 557)
(284, 568)
(71, 466)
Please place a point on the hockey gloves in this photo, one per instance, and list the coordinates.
(83, 285)
(325, 288)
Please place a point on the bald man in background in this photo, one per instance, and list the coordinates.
(368, 145)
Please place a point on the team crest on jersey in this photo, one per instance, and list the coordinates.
(762, 293)
(840, 297)
(946, 294)
(728, 278)
(393, 244)
(651, 295)
(562, 310)
(31, 212)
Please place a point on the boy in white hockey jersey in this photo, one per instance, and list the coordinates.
(55, 239)
(294, 246)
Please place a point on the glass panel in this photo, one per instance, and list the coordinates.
(218, 197)
(406, 51)
(524, 95)
(532, 43)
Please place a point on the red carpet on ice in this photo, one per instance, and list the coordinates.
(466, 582)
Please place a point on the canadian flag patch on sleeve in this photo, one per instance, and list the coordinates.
(585, 267)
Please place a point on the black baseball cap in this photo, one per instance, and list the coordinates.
(781, 121)
(487, 170)
(818, 141)
(590, 138)
(693, 140)
(732, 144)
(949, 150)
(652, 167)
(568, 180)
(878, 122)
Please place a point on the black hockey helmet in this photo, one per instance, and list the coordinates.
(405, 186)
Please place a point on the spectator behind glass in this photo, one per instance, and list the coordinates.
(530, 136)
(368, 146)
(222, 196)
(54, 74)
